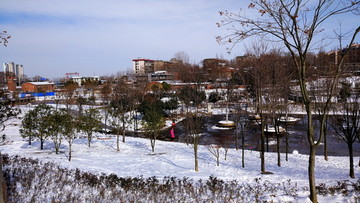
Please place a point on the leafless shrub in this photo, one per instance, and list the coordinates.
(58, 184)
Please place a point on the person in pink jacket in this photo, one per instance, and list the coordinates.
(172, 131)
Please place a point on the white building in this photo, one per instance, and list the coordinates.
(143, 66)
(79, 80)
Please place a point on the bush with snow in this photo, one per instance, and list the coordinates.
(30, 180)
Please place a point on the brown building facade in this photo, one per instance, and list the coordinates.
(38, 87)
(11, 83)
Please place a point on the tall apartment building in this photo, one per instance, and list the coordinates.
(16, 70)
(143, 66)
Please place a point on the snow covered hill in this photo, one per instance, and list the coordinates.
(174, 159)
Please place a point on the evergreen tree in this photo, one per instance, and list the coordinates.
(89, 123)
(36, 123)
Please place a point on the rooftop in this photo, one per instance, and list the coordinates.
(42, 83)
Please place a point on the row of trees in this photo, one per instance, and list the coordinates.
(121, 107)
(45, 122)
(296, 24)
(123, 102)
(347, 125)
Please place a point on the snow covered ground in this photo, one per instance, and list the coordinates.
(176, 159)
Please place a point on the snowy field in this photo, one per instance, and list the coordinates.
(176, 159)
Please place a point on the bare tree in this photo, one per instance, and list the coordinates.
(190, 97)
(69, 128)
(121, 105)
(80, 102)
(215, 151)
(192, 124)
(296, 24)
(348, 128)
(240, 126)
(258, 78)
(91, 85)
(106, 91)
(4, 38)
(276, 88)
(225, 143)
(182, 56)
(68, 93)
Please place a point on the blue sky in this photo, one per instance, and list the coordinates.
(53, 37)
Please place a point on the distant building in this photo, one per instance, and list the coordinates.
(353, 56)
(16, 70)
(80, 80)
(3, 84)
(11, 83)
(160, 65)
(143, 66)
(158, 76)
(352, 59)
(37, 87)
(217, 68)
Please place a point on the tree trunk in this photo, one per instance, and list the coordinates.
(187, 138)
(196, 157)
(278, 149)
(57, 147)
(237, 139)
(287, 145)
(80, 111)
(243, 149)
(118, 142)
(267, 141)
(325, 143)
(311, 173)
(123, 140)
(286, 140)
(69, 152)
(312, 144)
(152, 145)
(218, 156)
(41, 143)
(89, 139)
(262, 151)
(351, 157)
(262, 138)
(105, 119)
